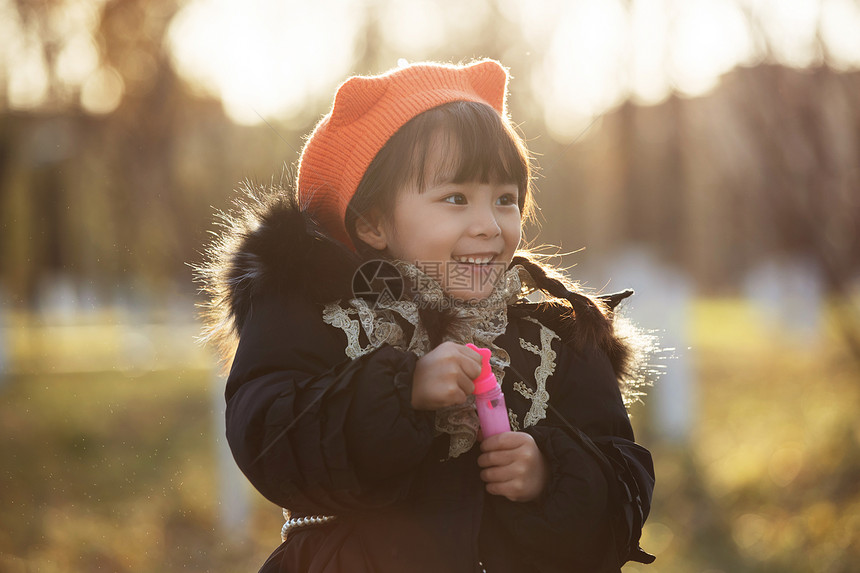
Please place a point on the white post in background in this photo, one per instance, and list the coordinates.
(233, 496)
(789, 295)
(662, 305)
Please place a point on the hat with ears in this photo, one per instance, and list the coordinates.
(367, 111)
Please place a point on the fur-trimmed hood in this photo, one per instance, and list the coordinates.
(267, 241)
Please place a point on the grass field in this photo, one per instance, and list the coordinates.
(109, 473)
(771, 481)
(109, 469)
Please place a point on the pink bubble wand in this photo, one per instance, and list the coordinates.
(489, 399)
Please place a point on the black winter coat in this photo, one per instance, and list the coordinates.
(356, 448)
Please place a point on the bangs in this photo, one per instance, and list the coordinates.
(457, 142)
(470, 144)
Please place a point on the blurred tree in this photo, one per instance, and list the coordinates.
(809, 137)
(112, 176)
(114, 185)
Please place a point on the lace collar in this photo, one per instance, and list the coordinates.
(479, 322)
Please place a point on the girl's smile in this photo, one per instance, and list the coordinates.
(463, 235)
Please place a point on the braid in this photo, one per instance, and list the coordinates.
(586, 323)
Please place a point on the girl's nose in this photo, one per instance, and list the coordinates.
(484, 223)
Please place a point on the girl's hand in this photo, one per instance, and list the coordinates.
(513, 466)
(443, 377)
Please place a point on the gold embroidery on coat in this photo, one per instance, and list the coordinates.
(515, 423)
(540, 397)
(524, 390)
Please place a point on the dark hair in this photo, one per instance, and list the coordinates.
(480, 145)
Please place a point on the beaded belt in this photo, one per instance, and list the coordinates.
(297, 522)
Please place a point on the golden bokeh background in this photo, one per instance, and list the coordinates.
(704, 152)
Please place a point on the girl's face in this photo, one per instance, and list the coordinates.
(463, 235)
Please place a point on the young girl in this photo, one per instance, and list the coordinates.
(349, 400)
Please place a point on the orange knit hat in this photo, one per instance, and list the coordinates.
(367, 111)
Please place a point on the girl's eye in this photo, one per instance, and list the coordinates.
(508, 199)
(456, 199)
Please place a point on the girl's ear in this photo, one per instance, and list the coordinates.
(370, 228)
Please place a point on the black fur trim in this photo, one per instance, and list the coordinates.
(267, 242)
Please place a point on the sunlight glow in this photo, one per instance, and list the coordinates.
(21, 63)
(790, 26)
(71, 26)
(582, 73)
(601, 53)
(27, 86)
(102, 91)
(538, 18)
(840, 26)
(276, 58)
(709, 38)
(412, 27)
(418, 28)
(649, 28)
(267, 58)
(78, 59)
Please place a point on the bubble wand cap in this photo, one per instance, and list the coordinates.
(486, 380)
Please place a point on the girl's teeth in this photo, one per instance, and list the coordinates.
(473, 260)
